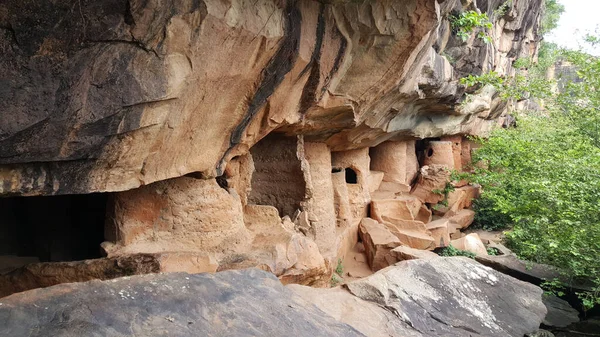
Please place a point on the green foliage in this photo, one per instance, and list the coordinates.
(552, 11)
(489, 78)
(579, 100)
(337, 277)
(503, 9)
(518, 87)
(553, 287)
(465, 23)
(445, 192)
(339, 269)
(543, 180)
(451, 251)
(493, 251)
(335, 280)
(489, 216)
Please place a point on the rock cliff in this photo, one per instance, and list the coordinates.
(225, 134)
(111, 95)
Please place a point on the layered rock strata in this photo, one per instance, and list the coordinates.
(257, 134)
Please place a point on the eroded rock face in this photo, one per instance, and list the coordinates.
(437, 297)
(114, 94)
(237, 303)
(255, 134)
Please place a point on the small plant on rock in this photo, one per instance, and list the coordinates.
(339, 269)
(464, 23)
(452, 251)
(503, 9)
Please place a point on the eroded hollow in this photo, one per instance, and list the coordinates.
(51, 228)
(278, 179)
(351, 176)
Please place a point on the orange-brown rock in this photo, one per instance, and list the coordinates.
(45, 274)
(424, 215)
(439, 230)
(375, 179)
(396, 159)
(403, 208)
(430, 184)
(183, 214)
(459, 199)
(457, 146)
(319, 194)
(415, 239)
(439, 153)
(402, 253)
(471, 243)
(116, 95)
(378, 241)
(355, 165)
(462, 219)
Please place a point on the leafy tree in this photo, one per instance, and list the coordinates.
(542, 180)
(551, 15)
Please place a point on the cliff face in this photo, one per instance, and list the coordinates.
(235, 133)
(100, 96)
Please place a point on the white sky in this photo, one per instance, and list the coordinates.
(580, 17)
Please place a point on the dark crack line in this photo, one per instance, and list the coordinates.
(134, 43)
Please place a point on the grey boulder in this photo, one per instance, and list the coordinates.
(232, 303)
(454, 297)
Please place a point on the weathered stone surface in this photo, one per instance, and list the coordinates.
(319, 195)
(439, 153)
(396, 159)
(41, 275)
(586, 328)
(462, 219)
(378, 241)
(560, 312)
(402, 253)
(403, 208)
(471, 243)
(430, 183)
(439, 232)
(177, 215)
(355, 165)
(375, 179)
(234, 303)
(526, 271)
(118, 94)
(454, 297)
(366, 317)
(415, 238)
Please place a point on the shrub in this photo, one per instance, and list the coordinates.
(452, 251)
(543, 180)
(464, 23)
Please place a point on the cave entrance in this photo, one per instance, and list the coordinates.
(278, 179)
(51, 228)
(351, 176)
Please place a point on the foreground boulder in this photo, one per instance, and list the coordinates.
(453, 297)
(233, 303)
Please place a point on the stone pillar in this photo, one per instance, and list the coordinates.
(456, 141)
(356, 168)
(439, 153)
(398, 160)
(319, 204)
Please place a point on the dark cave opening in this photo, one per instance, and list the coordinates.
(351, 176)
(52, 228)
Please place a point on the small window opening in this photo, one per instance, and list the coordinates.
(336, 170)
(430, 152)
(351, 177)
